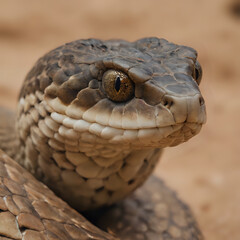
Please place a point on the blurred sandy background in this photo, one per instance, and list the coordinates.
(206, 171)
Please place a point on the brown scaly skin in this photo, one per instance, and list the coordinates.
(28, 208)
(30, 211)
(77, 134)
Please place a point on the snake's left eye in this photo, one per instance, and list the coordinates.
(117, 85)
(197, 73)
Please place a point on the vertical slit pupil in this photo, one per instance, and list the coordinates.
(117, 83)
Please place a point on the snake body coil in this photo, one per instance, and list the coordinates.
(92, 119)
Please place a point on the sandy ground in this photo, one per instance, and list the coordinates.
(205, 171)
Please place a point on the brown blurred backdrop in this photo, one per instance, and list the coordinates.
(206, 171)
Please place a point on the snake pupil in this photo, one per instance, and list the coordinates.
(118, 84)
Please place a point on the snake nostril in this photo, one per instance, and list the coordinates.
(201, 101)
(167, 102)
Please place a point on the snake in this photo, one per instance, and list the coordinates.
(91, 122)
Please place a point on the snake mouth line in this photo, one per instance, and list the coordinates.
(82, 125)
(71, 128)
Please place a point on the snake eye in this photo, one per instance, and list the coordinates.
(117, 85)
(197, 73)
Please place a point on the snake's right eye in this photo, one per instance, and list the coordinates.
(118, 86)
(197, 73)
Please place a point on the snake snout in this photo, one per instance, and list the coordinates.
(186, 109)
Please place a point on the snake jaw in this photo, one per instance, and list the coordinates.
(155, 137)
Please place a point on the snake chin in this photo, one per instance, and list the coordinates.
(187, 131)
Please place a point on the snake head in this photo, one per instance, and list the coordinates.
(142, 94)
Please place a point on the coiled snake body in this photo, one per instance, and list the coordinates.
(91, 121)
